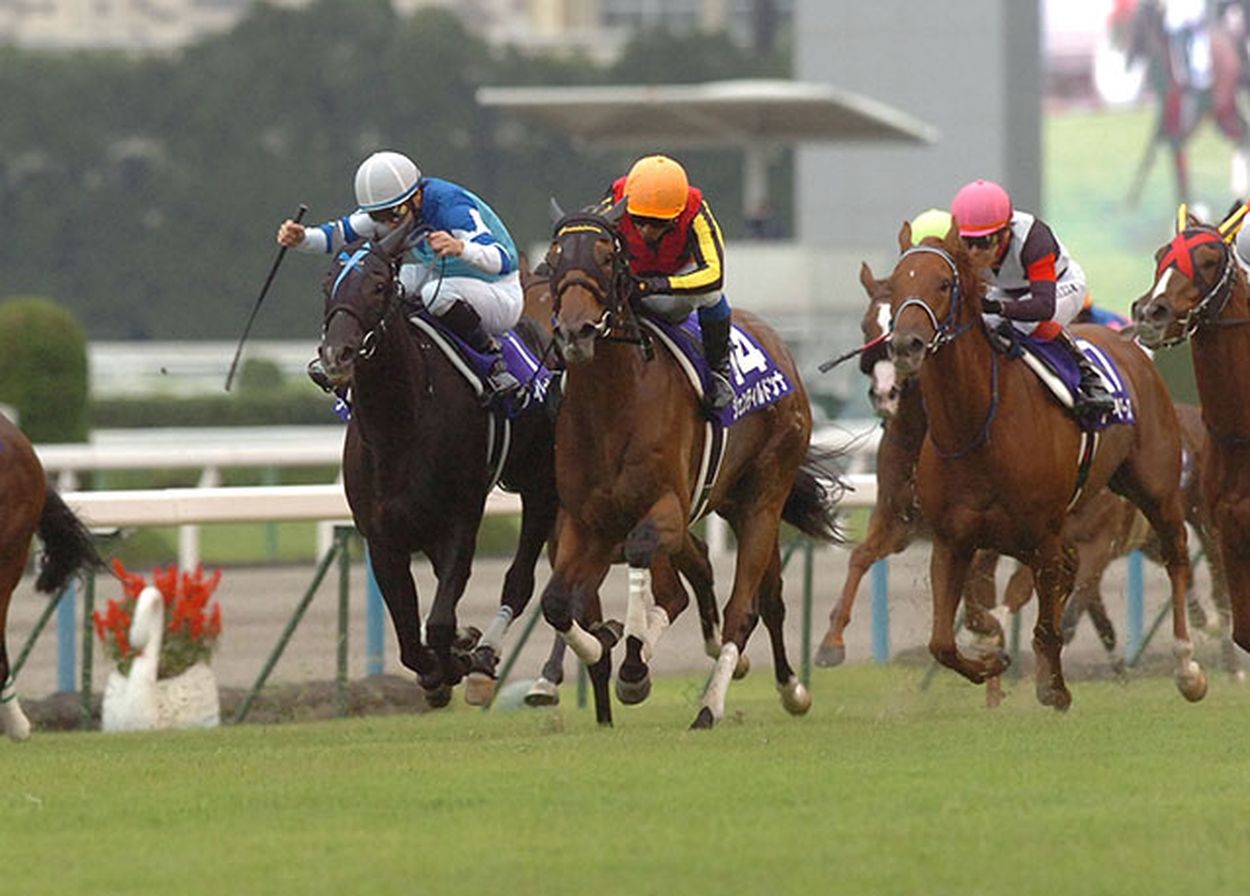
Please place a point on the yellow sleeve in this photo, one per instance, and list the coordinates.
(707, 251)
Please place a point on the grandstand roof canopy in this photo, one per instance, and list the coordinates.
(716, 113)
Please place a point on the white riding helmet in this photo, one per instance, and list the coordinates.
(385, 179)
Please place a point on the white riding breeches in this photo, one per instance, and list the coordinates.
(498, 303)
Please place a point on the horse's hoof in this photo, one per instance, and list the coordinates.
(828, 655)
(703, 719)
(1119, 670)
(794, 697)
(16, 725)
(543, 693)
(1057, 698)
(743, 666)
(479, 689)
(631, 693)
(439, 696)
(1193, 687)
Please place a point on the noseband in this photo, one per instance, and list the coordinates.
(946, 330)
(607, 287)
(1213, 301)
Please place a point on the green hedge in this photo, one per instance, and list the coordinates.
(43, 369)
(288, 407)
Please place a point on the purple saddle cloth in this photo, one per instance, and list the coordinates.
(1057, 358)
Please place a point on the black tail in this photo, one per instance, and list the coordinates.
(67, 545)
(812, 505)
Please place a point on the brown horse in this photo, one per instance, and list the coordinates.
(1200, 293)
(31, 507)
(1000, 464)
(629, 444)
(417, 469)
(692, 563)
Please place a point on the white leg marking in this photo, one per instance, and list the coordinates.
(640, 603)
(493, 636)
(714, 697)
(588, 648)
(12, 719)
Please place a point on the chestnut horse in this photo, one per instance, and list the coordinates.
(629, 444)
(416, 468)
(1200, 293)
(692, 563)
(999, 466)
(31, 507)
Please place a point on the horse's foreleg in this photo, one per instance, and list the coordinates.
(887, 533)
(452, 562)
(948, 570)
(538, 513)
(391, 569)
(1054, 570)
(12, 720)
(545, 691)
(1219, 597)
(661, 533)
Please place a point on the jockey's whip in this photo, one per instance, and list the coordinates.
(826, 366)
(238, 352)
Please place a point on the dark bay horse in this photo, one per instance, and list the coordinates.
(1000, 464)
(1200, 293)
(29, 506)
(629, 444)
(692, 563)
(416, 468)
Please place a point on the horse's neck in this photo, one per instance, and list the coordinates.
(389, 390)
(1221, 358)
(955, 383)
(602, 395)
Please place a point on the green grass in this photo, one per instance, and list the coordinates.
(881, 789)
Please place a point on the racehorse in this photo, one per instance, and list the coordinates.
(31, 507)
(692, 563)
(630, 441)
(1200, 293)
(1182, 108)
(1002, 462)
(416, 467)
(895, 520)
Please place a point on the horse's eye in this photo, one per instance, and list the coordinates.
(947, 284)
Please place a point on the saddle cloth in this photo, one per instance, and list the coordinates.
(1058, 370)
(756, 379)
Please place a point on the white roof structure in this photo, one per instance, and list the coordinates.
(756, 115)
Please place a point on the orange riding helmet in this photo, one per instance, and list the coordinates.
(656, 187)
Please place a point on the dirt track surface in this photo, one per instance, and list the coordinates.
(257, 604)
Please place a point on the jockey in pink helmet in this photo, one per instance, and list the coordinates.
(1033, 283)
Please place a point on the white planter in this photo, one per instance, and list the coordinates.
(189, 700)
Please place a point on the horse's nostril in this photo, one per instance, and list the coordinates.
(1157, 313)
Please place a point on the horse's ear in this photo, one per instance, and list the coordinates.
(866, 277)
(615, 213)
(904, 237)
(554, 210)
(952, 242)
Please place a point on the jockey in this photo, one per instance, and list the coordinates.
(464, 271)
(1094, 314)
(1187, 24)
(678, 257)
(1033, 283)
(934, 222)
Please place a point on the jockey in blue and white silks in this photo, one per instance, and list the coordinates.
(465, 267)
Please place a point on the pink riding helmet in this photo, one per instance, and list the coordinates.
(981, 207)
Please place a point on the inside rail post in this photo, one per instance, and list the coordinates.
(880, 578)
(1134, 610)
(375, 652)
(66, 628)
(342, 542)
(294, 621)
(88, 647)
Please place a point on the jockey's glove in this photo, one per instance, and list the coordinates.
(646, 286)
(991, 306)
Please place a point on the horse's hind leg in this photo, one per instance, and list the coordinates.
(794, 696)
(12, 720)
(695, 567)
(1219, 597)
(1054, 570)
(545, 691)
(948, 570)
(538, 514)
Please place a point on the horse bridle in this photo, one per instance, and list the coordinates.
(606, 286)
(372, 334)
(946, 330)
(1211, 304)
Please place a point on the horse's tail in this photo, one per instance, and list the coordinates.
(812, 505)
(67, 545)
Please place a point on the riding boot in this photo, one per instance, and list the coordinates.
(1092, 396)
(716, 351)
(464, 319)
